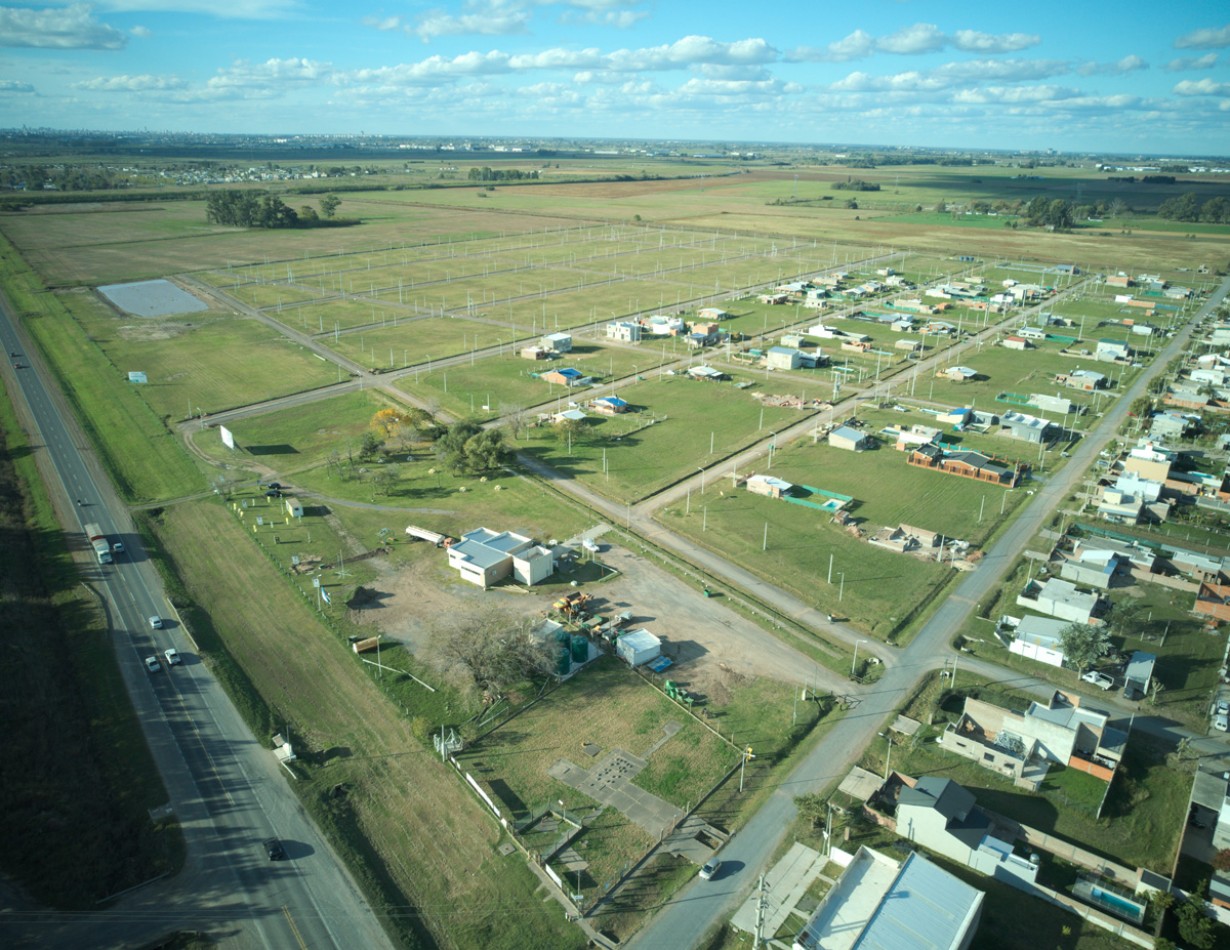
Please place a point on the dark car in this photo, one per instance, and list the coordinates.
(273, 493)
(273, 848)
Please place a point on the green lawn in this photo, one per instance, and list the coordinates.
(676, 423)
(881, 590)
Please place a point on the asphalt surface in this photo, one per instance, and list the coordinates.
(702, 905)
(225, 787)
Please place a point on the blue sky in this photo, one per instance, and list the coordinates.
(1129, 77)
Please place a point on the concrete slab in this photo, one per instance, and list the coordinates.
(786, 883)
(860, 784)
(610, 782)
(905, 725)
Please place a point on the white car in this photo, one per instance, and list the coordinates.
(710, 869)
(172, 656)
(1100, 680)
(1221, 722)
(155, 622)
(152, 664)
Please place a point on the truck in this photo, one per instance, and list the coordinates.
(99, 542)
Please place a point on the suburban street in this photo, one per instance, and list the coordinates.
(702, 905)
(225, 787)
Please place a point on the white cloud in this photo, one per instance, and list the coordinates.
(229, 10)
(14, 85)
(1208, 38)
(919, 38)
(1183, 63)
(141, 31)
(955, 74)
(72, 27)
(494, 18)
(144, 83)
(435, 69)
(914, 40)
(690, 51)
(617, 13)
(557, 58)
(971, 41)
(987, 94)
(1202, 87)
(1128, 64)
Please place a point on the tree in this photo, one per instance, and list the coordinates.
(1084, 644)
(1221, 860)
(1195, 926)
(468, 449)
(492, 649)
(370, 445)
(812, 806)
(329, 205)
(387, 422)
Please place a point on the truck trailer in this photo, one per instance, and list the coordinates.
(99, 541)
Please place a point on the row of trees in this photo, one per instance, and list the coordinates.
(1189, 207)
(487, 173)
(464, 448)
(246, 209)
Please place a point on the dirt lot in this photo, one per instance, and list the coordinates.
(707, 640)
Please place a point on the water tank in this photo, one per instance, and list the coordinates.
(580, 648)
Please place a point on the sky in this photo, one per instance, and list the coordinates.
(1132, 77)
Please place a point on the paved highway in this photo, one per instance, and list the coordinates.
(224, 786)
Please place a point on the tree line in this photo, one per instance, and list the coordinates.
(1189, 207)
(247, 209)
(486, 173)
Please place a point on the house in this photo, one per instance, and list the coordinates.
(1094, 569)
(484, 557)
(1172, 425)
(661, 325)
(781, 357)
(1120, 507)
(707, 373)
(1118, 280)
(1027, 428)
(294, 507)
(958, 374)
(1016, 343)
(878, 903)
(1131, 556)
(1110, 351)
(1085, 380)
(535, 353)
(849, 438)
(967, 464)
(768, 485)
(609, 405)
(942, 816)
(569, 415)
(910, 346)
(924, 537)
(1038, 638)
(1032, 333)
(712, 314)
(1058, 404)
(1213, 601)
(1060, 599)
(565, 377)
(559, 342)
(1022, 746)
(624, 331)
(1139, 675)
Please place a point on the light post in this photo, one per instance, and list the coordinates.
(841, 587)
(854, 662)
(888, 755)
(701, 469)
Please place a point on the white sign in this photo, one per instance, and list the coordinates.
(135, 377)
(227, 439)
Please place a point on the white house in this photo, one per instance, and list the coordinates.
(1037, 638)
(782, 357)
(484, 557)
(849, 438)
(637, 647)
(1059, 599)
(560, 342)
(625, 331)
(1112, 350)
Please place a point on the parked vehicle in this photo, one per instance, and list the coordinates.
(710, 869)
(1221, 722)
(1100, 680)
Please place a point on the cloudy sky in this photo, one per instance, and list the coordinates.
(1133, 76)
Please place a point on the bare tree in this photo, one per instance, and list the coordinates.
(492, 648)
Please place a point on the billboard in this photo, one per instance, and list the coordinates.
(227, 439)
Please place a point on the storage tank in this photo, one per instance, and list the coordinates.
(563, 661)
(580, 648)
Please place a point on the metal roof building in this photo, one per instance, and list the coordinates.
(877, 905)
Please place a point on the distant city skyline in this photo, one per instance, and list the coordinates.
(1070, 77)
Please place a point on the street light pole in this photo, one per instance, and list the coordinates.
(854, 662)
(841, 588)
